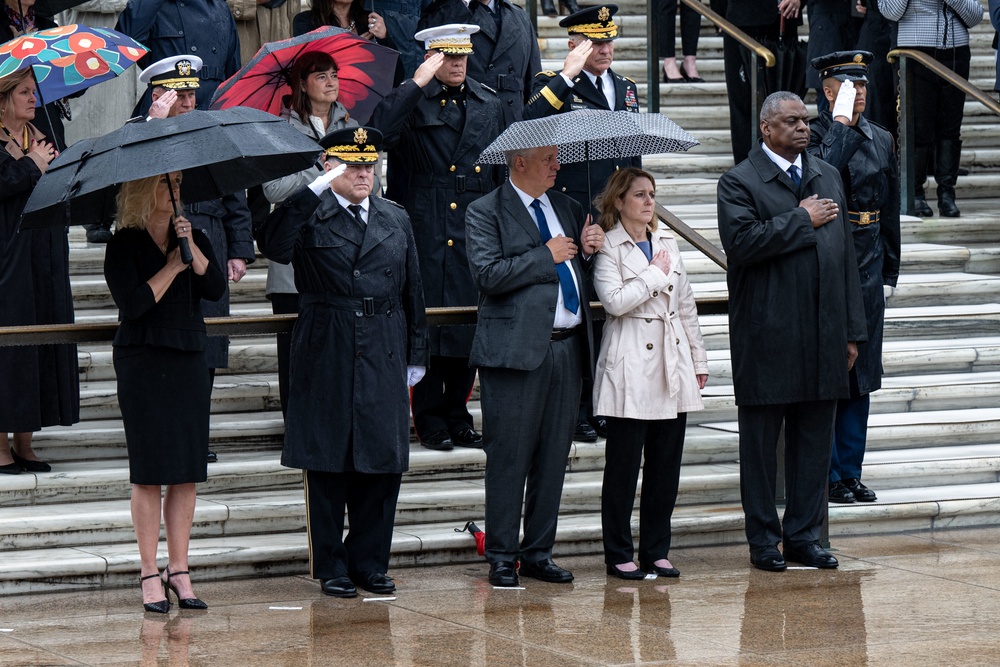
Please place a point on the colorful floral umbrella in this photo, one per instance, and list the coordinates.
(364, 68)
(70, 58)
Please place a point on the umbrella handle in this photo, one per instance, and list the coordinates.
(182, 243)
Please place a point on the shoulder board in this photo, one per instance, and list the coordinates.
(632, 81)
(549, 73)
(485, 87)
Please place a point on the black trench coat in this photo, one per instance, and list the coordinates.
(866, 158)
(794, 295)
(348, 403)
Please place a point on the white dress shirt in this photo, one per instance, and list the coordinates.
(782, 163)
(607, 84)
(347, 203)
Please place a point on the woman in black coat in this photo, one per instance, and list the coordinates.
(163, 384)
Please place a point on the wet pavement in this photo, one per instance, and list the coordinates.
(927, 598)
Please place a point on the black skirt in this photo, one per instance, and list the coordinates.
(165, 399)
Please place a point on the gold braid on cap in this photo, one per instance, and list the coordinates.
(352, 153)
(596, 29)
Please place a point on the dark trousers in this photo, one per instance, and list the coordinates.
(528, 423)
(938, 116)
(741, 105)
(370, 502)
(831, 28)
(808, 440)
(850, 435)
(283, 304)
(439, 399)
(662, 440)
(667, 29)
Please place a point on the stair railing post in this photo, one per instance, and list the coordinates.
(532, 7)
(757, 95)
(652, 59)
(907, 157)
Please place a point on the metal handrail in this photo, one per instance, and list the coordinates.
(746, 40)
(687, 233)
(907, 162)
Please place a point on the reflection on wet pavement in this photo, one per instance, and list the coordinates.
(910, 599)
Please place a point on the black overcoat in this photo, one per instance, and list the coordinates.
(550, 95)
(348, 403)
(439, 145)
(866, 158)
(794, 295)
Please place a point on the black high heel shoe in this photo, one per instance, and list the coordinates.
(549, 9)
(161, 607)
(690, 79)
(30, 466)
(569, 5)
(183, 603)
(631, 575)
(660, 571)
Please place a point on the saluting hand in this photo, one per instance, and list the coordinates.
(577, 58)
(425, 73)
(161, 107)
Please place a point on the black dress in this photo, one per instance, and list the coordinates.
(164, 388)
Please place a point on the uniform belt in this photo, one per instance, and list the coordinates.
(213, 73)
(863, 217)
(366, 306)
(457, 182)
(563, 334)
(510, 83)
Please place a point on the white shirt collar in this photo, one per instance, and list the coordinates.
(347, 203)
(526, 199)
(782, 163)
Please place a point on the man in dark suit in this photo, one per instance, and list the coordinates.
(505, 53)
(532, 345)
(795, 317)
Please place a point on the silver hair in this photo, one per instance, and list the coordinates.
(512, 155)
(773, 103)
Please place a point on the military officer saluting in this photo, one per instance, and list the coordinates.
(437, 124)
(864, 154)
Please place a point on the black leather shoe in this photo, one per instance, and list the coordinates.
(339, 587)
(374, 582)
(467, 437)
(811, 554)
(599, 424)
(30, 466)
(10, 469)
(546, 570)
(861, 492)
(921, 208)
(661, 571)
(503, 573)
(631, 575)
(840, 493)
(768, 558)
(98, 235)
(584, 432)
(212, 456)
(439, 440)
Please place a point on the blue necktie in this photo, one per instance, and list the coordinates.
(570, 298)
(793, 173)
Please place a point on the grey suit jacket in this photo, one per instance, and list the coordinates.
(517, 279)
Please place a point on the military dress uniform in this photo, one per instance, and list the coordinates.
(866, 158)
(437, 133)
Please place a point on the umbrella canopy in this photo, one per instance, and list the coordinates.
(220, 152)
(364, 69)
(68, 59)
(592, 134)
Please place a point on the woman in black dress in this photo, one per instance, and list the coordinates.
(163, 380)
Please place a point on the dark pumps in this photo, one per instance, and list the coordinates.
(160, 607)
(183, 603)
(631, 575)
(28, 465)
(549, 8)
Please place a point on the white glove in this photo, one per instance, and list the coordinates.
(844, 104)
(323, 181)
(888, 291)
(414, 374)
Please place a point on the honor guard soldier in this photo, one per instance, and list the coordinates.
(437, 124)
(865, 155)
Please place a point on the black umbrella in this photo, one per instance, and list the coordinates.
(220, 152)
(791, 59)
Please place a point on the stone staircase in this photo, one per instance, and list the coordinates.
(934, 436)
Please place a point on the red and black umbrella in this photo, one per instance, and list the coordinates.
(364, 68)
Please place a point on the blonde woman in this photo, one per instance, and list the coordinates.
(650, 372)
(163, 380)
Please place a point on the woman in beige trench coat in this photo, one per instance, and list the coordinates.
(650, 372)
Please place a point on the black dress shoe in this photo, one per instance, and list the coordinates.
(599, 424)
(661, 571)
(631, 575)
(861, 492)
(467, 437)
(374, 582)
(339, 587)
(667, 79)
(212, 456)
(503, 573)
(584, 432)
(690, 79)
(811, 554)
(768, 558)
(840, 493)
(439, 440)
(30, 466)
(546, 570)
(549, 8)
(10, 469)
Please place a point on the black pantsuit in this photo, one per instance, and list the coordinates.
(690, 29)
(808, 438)
(528, 419)
(663, 443)
(439, 399)
(939, 114)
(370, 501)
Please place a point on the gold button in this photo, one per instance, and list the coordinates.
(450, 243)
(454, 206)
(443, 102)
(478, 169)
(451, 168)
(655, 293)
(670, 288)
(649, 346)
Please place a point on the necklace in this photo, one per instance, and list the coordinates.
(26, 141)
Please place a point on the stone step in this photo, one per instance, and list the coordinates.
(91, 291)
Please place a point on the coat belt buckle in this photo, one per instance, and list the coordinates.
(369, 305)
(460, 183)
(501, 82)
